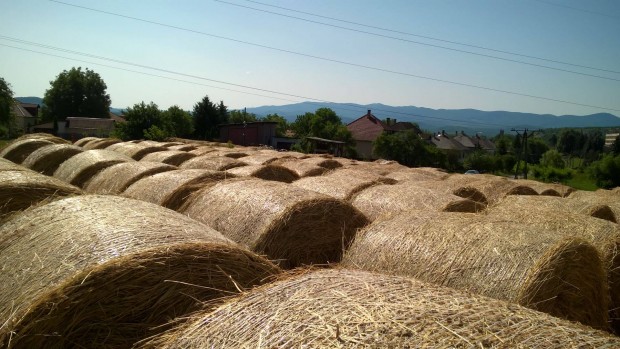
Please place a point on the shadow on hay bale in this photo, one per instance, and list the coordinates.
(206, 162)
(105, 271)
(342, 184)
(134, 151)
(322, 162)
(101, 143)
(170, 157)
(116, 178)
(47, 158)
(18, 150)
(539, 268)
(260, 159)
(267, 172)
(302, 168)
(80, 168)
(286, 223)
(355, 309)
(547, 189)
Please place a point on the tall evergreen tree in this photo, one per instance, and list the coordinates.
(207, 117)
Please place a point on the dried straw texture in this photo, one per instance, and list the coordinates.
(234, 154)
(149, 143)
(356, 309)
(599, 197)
(329, 164)
(18, 150)
(522, 263)
(267, 172)
(45, 136)
(547, 189)
(7, 165)
(381, 167)
(134, 151)
(392, 199)
(183, 147)
(342, 184)
(207, 162)
(202, 149)
(82, 167)
(170, 189)
(281, 221)
(418, 174)
(170, 157)
(83, 141)
(104, 271)
(101, 143)
(302, 168)
(47, 158)
(259, 159)
(116, 178)
(21, 189)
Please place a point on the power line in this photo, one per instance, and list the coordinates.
(438, 39)
(422, 43)
(345, 63)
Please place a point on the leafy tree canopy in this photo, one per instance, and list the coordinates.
(177, 122)
(615, 147)
(6, 101)
(323, 123)
(408, 149)
(606, 171)
(552, 158)
(240, 116)
(282, 123)
(207, 118)
(139, 118)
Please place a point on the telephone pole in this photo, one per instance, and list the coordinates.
(523, 151)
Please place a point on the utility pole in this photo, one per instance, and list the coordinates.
(523, 151)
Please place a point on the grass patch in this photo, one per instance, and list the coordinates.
(582, 181)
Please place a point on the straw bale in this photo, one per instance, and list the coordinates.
(267, 172)
(101, 143)
(116, 178)
(7, 165)
(183, 147)
(259, 159)
(329, 164)
(134, 151)
(279, 220)
(170, 157)
(47, 158)
(354, 309)
(18, 150)
(599, 197)
(83, 141)
(171, 188)
(229, 153)
(45, 136)
(80, 168)
(206, 162)
(21, 189)
(342, 184)
(547, 189)
(200, 150)
(381, 167)
(418, 174)
(513, 261)
(149, 143)
(392, 199)
(301, 168)
(106, 271)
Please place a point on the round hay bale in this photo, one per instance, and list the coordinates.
(599, 197)
(18, 150)
(513, 261)
(229, 153)
(45, 136)
(206, 162)
(281, 221)
(7, 165)
(259, 159)
(134, 151)
(47, 158)
(21, 189)
(173, 187)
(80, 168)
(547, 189)
(329, 164)
(101, 143)
(381, 167)
(116, 178)
(301, 168)
(267, 172)
(182, 147)
(170, 157)
(105, 271)
(354, 309)
(149, 143)
(83, 141)
(342, 184)
(201, 150)
(392, 199)
(418, 174)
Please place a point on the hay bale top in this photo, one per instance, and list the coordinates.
(202, 149)
(380, 167)
(350, 309)
(302, 168)
(19, 149)
(267, 172)
(149, 143)
(47, 158)
(7, 165)
(183, 147)
(284, 154)
(46, 136)
(392, 199)
(116, 178)
(600, 195)
(329, 164)
(418, 174)
(342, 184)
(234, 154)
(547, 189)
(206, 162)
(170, 157)
(493, 187)
(134, 151)
(259, 159)
(82, 141)
(78, 169)
(101, 143)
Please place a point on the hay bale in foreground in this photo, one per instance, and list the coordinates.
(279, 220)
(170, 157)
(82, 167)
(116, 178)
(45, 136)
(342, 184)
(47, 158)
(18, 150)
(355, 309)
(105, 271)
(206, 162)
(267, 172)
(513, 261)
(301, 168)
(134, 151)
(21, 189)
(392, 199)
(102, 143)
(170, 189)
(7, 165)
(530, 204)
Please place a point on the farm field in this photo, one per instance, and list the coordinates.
(189, 244)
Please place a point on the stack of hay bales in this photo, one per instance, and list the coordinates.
(149, 143)
(213, 163)
(80, 168)
(19, 149)
(47, 158)
(235, 154)
(170, 157)
(101, 143)
(267, 172)
(547, 189)
(418, 174)
(550, 270)
(85, 140)
(609, 198)
(353, 309)
(183, 147)
(134, 151)
(202, 149)
(105, 271)
(342, 184)
(8, 165)
(279, 220)
(116, 178)
(302, 168)
(45, 136)
(259, 159)
(320, 161)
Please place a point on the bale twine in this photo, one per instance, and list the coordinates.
(101, 143)
(418, 174)
(267, 172)
(342, 184)
(21, 189)
(301, 168)
(329, 164)
(170, 157)
(47, 158)
(337, 308)
(182, 147)
(281, 221)
(7, 165)
(171, 188)
(392, 199)
(513, 261)
(83, 141)
(18, 150)
(206, 162)
(116, 178)
(45, 136)
(82, 167)
(105, 271)
(134, 151)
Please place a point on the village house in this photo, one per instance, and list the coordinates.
(25, 116)
(74, 128)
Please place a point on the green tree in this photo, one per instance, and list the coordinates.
(282, 125)
(408, 149)
(139, 122)
(6, 103)
(570, 142)
(536, 147)
(606, 171)
(324, 123)
(76, 92)
(176, 122)
(208, 117)
(552, 158)
(480, 160)
(240, 116)
(615, 147)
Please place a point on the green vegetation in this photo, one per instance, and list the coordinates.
(408, 149)
(323, 123)
(7, 119)
(147, 121)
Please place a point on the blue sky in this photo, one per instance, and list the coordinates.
(585, 33)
